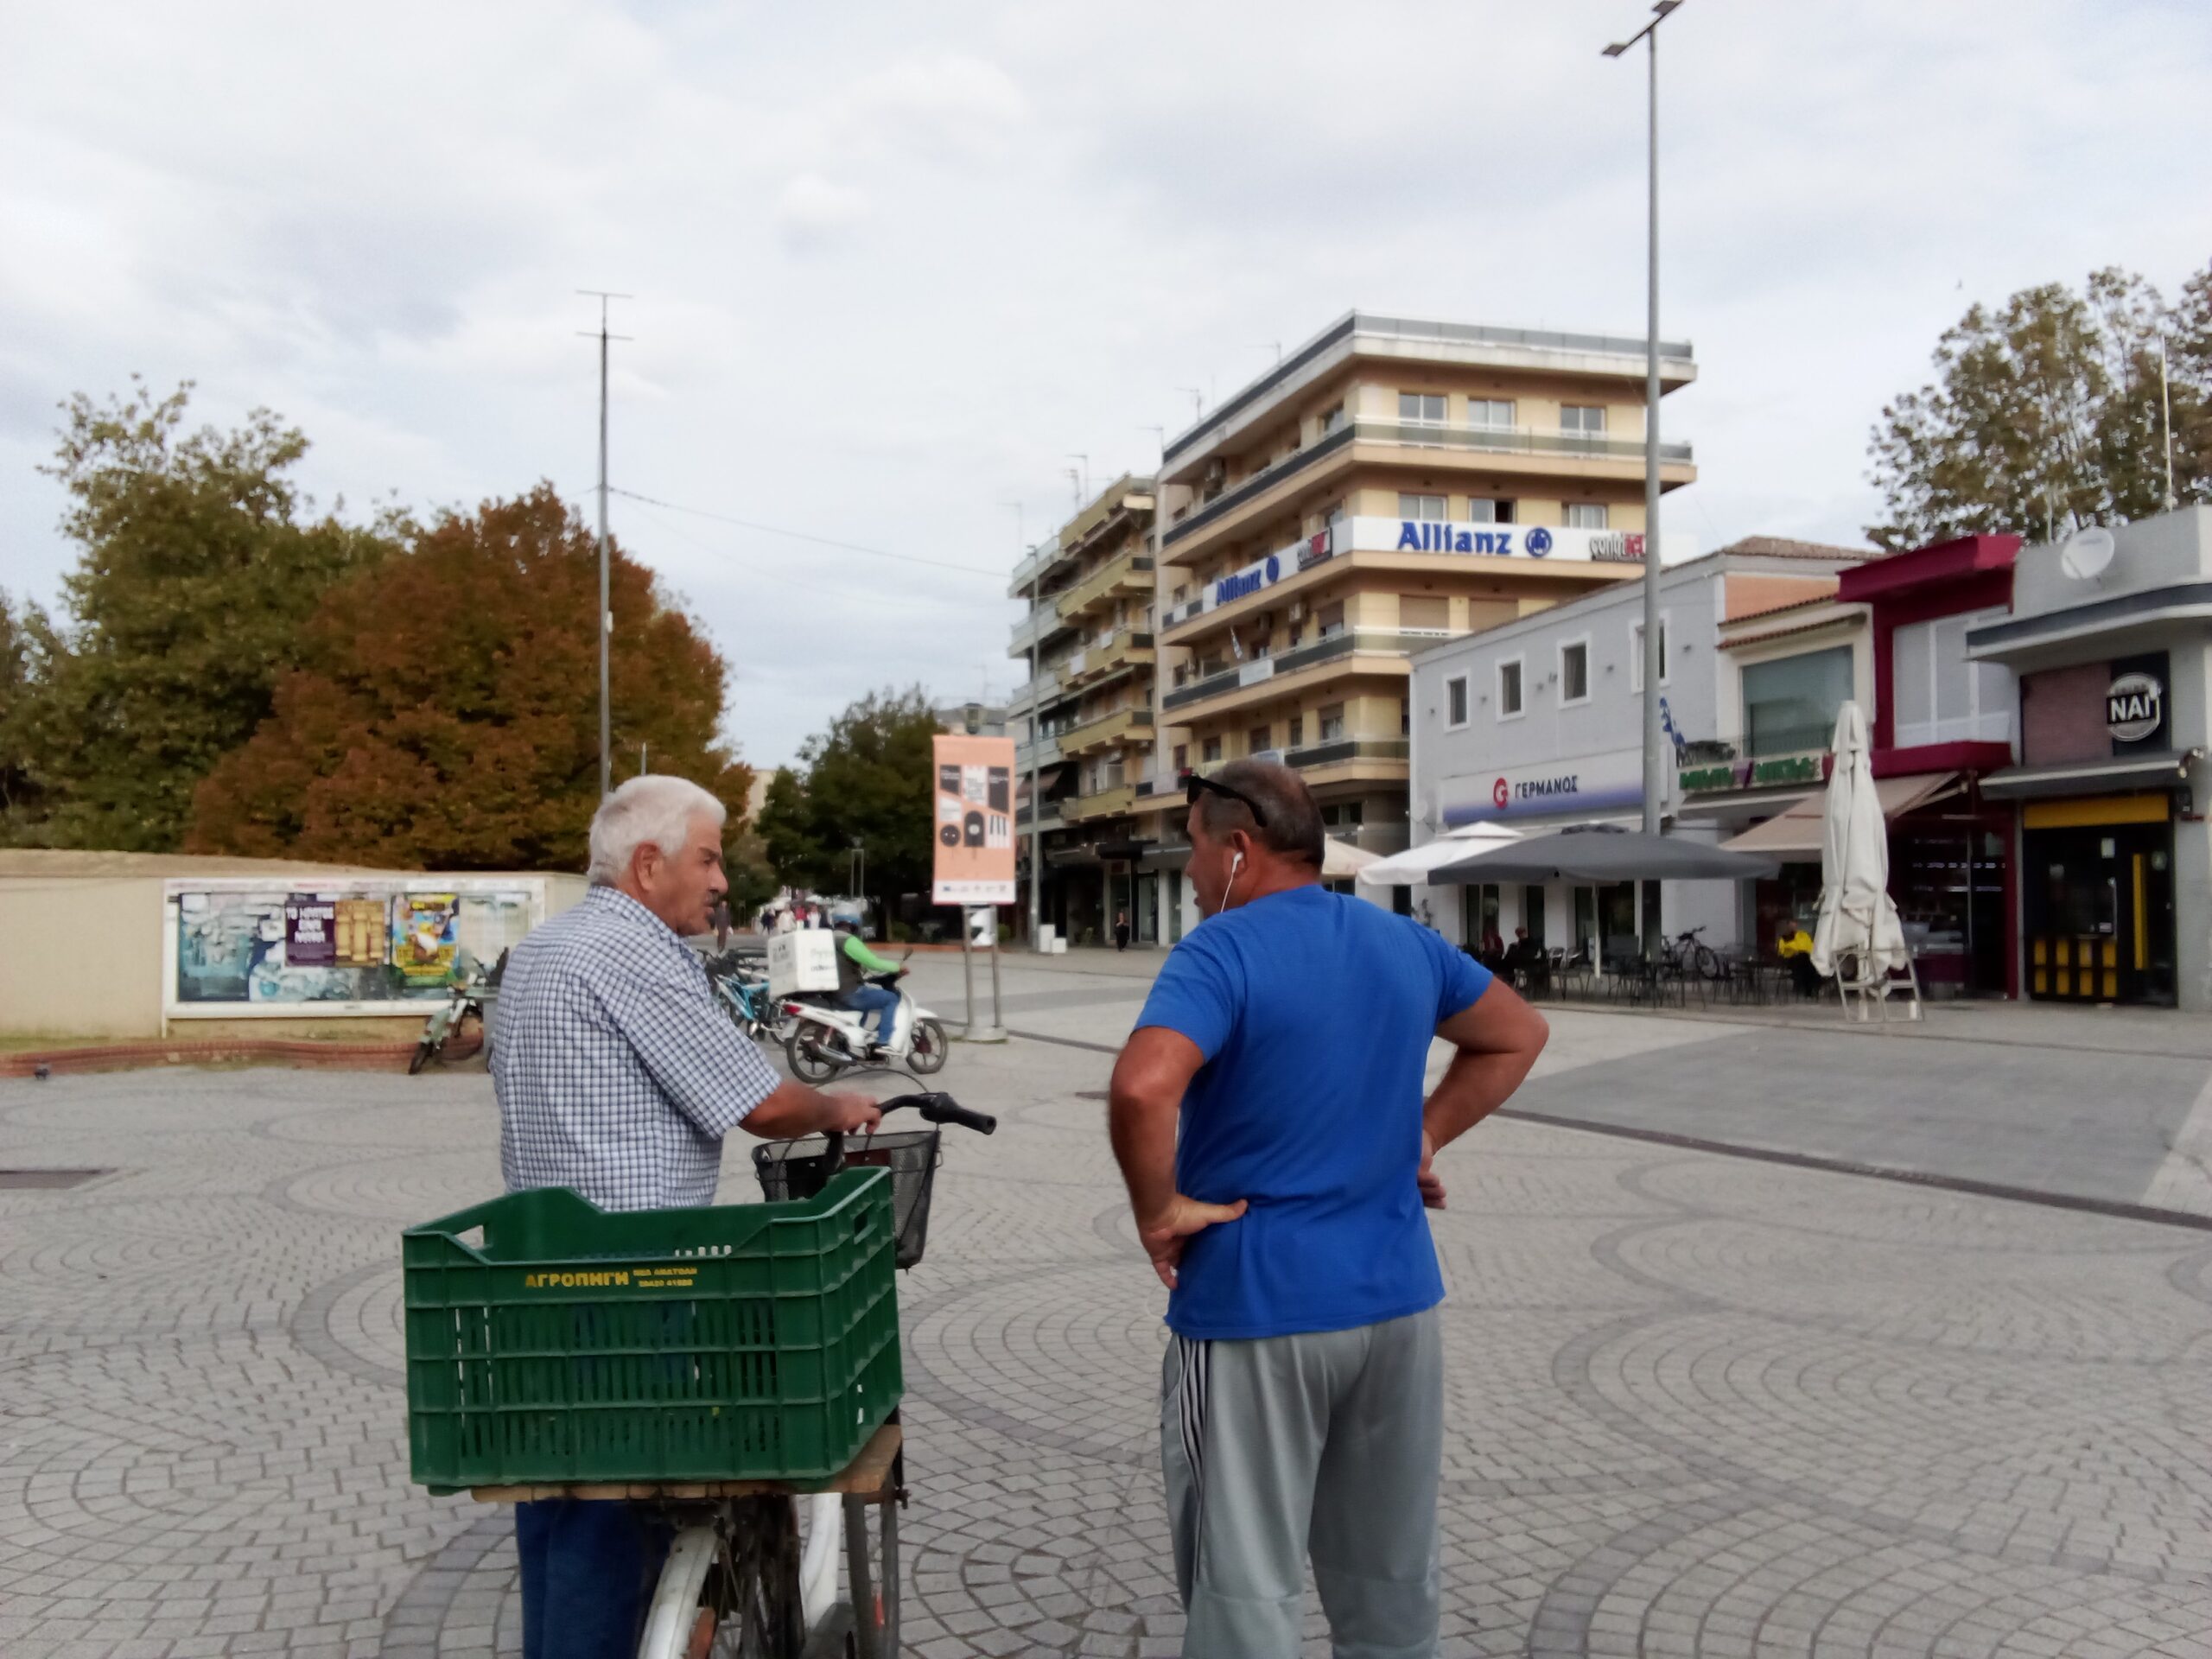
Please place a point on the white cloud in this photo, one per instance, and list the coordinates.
(891, 263)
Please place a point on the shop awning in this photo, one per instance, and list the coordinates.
(2168, 769)
(1794, 834)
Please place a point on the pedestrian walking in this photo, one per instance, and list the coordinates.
(1302, 1388)
(1120, 929)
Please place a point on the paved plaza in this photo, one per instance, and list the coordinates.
(1699, 1403)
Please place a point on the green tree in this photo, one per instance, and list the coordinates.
(2046, 413)
(867, 779)
(200, 561)
(25, 639)
(446, 716)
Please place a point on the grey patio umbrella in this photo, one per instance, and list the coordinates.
(1599, 854)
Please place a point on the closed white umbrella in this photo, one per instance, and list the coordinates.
(1340, 859)
(1410, 868)
(1858, 917)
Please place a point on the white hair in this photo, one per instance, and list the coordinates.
(657, 809)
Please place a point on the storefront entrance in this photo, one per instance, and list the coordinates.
(1947, 874)
(2099, 899)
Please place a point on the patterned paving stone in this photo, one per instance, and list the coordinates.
(1697, 1405)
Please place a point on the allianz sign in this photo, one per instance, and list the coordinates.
(1507, 541)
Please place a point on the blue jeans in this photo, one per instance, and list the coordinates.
(588, 1568)
(864, 998)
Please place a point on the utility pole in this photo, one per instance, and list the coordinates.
(1655, 776)
(2166, 409)
(606, 615)
(1036, 735)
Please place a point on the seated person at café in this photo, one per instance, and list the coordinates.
(1794, 945)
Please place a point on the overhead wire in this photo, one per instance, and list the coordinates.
(806, 536)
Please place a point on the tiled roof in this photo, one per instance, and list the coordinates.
(1781, 547)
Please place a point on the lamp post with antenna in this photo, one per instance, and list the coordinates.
(1654, 773)
(605, 617)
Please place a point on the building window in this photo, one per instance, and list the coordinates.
(1422, 408)
(1575, 672)
(1298, 731)
(1635, 654)
(1332, 723)
(1508, 689)
(1489, 510)
(1586, 515)
(1257, 740)
(1489, 411)
(1790, 705)
(1455, 702)
(1424, 613)
(1405, 716)
(1344, 815)
(1586, 418)
(1182, 673)
(1182, 757)
(1330, 618)
(1939, 696)
(1331, 418)
(1437, 508)
(1211, 751)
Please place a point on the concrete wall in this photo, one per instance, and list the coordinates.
(80, 957)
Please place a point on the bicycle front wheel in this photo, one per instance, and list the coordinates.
(733, 1588)
(1706, 963)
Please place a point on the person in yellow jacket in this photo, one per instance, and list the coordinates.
(1794, 946)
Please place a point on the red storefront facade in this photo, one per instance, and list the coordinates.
(1941, 723)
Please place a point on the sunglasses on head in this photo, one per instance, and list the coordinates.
(1194, 787)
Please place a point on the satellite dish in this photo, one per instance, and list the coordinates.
(2087, 554)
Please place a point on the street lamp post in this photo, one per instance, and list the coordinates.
(1655, 777)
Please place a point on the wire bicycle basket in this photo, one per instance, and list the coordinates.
(797, 1169)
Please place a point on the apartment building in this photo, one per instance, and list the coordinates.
(1390, 484)
(1084, 722)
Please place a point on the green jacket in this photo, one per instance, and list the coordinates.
(855, 959)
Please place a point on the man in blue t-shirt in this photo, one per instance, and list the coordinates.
(1302, 1396)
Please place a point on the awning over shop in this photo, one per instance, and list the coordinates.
(2169, 769)
(1794, 834)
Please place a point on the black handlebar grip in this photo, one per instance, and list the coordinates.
(945, 1111)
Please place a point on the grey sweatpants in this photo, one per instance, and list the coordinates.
(1328, 1443)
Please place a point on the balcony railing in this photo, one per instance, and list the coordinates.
(1108, 802)
(1038, 627)
(1108, 729)
(1336, 751)
(1485, 440)
(1117, 651)
(1132, 573)
(1044, 752)
(1401, 643)
(1045, 819)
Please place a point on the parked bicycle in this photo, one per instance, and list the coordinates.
(1686, 955)
(464, 1001)
(740, 986)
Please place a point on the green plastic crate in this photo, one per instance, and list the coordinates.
(573, 1343)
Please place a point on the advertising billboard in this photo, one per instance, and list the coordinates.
(972, 798)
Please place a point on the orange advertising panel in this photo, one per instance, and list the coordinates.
(973, 799)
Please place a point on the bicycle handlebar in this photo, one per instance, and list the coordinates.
(942, 1108)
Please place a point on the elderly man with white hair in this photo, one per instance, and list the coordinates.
(618, 1075)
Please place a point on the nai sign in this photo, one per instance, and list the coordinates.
(2135, 707)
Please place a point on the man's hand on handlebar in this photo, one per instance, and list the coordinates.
(846, 1114)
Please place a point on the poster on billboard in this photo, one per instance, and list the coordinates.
(311, 931)
(973, 798)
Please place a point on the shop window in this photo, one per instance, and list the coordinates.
(1586, 515)
(1422, 408)
(1455, 702)
(1575, 672)
(1790, 705)
(1938, 696)
(1635, 654)
(1433, 507)
(1532, 914)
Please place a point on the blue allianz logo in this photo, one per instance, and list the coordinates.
(1538, 541)
(1264, 574)
(1274, 568)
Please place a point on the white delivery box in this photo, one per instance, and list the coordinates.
(804, 961)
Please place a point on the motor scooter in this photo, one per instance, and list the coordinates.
(824, 1040)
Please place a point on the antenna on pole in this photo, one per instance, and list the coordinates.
(2166, 408)
(606, 615)
(1197, 403)
(1082, 482)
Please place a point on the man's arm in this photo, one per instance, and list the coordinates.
(794, 1109)
(869, 960)
(1498, 1037)
(1145, 1100)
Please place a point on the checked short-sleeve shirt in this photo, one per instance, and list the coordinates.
(617, 1073)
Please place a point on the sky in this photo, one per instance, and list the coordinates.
(894, 265)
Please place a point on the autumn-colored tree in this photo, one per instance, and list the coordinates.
(2047, 415)
(200, 561)
(446, 714)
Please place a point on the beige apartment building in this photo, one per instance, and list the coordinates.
(1390, 484)
(1084, 722)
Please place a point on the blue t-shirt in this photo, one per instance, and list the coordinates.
(1314, 1012)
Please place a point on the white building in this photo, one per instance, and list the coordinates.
(1538, 724)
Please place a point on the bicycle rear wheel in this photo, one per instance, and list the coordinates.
(872, 1577)
(737, 1577)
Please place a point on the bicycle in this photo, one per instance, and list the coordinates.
(742, 1578)
(1687, 955)
(746, 1000)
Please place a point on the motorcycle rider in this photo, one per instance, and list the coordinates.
(854, 960)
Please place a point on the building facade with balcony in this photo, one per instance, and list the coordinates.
(1084, 720)
(1390, 484)
(1538, 724)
